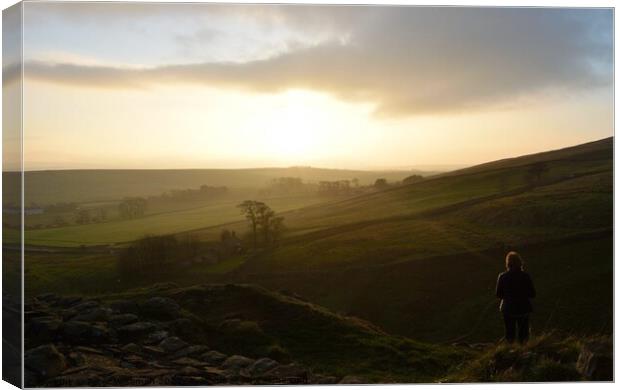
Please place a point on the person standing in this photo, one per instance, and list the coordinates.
(515, 289)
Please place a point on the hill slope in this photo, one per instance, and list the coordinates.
(154, 332)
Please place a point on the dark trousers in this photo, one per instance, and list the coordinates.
(517, 324)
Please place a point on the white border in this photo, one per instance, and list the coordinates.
(484, 3)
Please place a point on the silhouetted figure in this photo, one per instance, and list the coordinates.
(515, 289)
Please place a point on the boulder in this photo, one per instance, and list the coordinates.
(191, 351)
(262, 366)
(79, 332)
(172, 344)
(287, 374)
(213, 358)
(131, 348)
(237, 362)
(156, 337)
(188, 380)
(352, 380)
(69, 301)
(118, 320)
(43, 329)
(184, 327)
(84, 306)
(76, 359)
(188, 362)
(160, 308)
(595, 360)
(45, 361)
(214, 375)
(135, 331)
(124, 306)
(97, 314)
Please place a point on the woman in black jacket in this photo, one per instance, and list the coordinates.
(515, 289)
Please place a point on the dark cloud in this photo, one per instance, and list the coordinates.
(407, 60)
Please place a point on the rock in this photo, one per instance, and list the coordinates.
(160, 308)
(132, 348)
(43, 329)
(188, 362)
(76, 359)
(79, 332)
(237, 362)
(215, 375)
(172, 344)
(97, 314)
(119, 320)
(213, 358)
(155, 351)
(69, 301)
(188, 380)
(184, 327)
(324, 380)
(155, 337)
(84, 306)
(352, 380)
(595, 360)
(135, 331)
(261, 366)
(45, 361)
(287, 374)
(192, 351)
(124, 306)
(135, 361)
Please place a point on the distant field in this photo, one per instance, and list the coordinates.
(45, 187)
(211, 214)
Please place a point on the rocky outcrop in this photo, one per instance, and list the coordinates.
(73, 342)
(596, 361)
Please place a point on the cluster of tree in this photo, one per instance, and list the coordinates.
(381, 183)
(287, 185)
(130, 208)
(84, 216)
(155, 255)
(413, 179)
(338, 187)
(202, 193)
(61, 207)
(264, 224)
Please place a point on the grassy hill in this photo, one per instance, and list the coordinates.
(252, 321)
(421, 260)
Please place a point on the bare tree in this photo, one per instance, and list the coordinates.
(249, 208)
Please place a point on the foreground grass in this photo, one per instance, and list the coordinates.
(547, 358)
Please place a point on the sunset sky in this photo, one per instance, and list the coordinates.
(115, 85)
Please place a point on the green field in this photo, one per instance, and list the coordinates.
(118, 231)
(418, 260)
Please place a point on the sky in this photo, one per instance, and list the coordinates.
(135, 85)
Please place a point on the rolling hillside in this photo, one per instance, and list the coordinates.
(101, 185)
(421, 260)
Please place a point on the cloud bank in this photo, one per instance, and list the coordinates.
(406, 60)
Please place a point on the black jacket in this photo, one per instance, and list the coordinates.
(515, 288)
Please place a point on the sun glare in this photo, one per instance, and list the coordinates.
(299, 126)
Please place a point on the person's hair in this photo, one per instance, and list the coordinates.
(513, 261)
